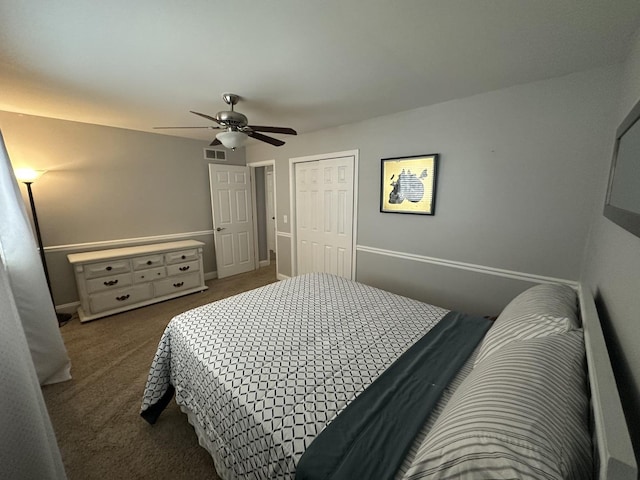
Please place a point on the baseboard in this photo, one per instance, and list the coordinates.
(210, 275)
(69, 308)
(264, 263)
(282, 277)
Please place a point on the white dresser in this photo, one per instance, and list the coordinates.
(119, 279)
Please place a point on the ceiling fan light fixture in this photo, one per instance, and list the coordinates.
(232, 139)
(234, 125)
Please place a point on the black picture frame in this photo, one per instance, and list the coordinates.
(408, 184)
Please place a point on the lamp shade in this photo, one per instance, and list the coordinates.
(232, 139)
(28, 175)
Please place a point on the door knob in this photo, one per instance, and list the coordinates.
(219, 229)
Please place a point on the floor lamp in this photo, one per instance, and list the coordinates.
(28, 176)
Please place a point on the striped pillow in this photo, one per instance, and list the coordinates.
(522, 413)
(542, 310)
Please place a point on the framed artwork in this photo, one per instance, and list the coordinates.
(409, 184)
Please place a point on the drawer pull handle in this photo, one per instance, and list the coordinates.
(183, 257)
(122, 298)
(111, 283)
(184, 269)
(149, 262)
(109, 268)
(178, 285)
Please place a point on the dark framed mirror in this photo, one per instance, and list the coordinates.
(622, 203)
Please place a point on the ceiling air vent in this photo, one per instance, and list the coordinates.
(213, 154)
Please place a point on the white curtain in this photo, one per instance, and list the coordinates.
(19, 254)
(32, 352)
(28, 448)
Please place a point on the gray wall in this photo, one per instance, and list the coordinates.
(466, 291)
(110, 184)
(261, 213)
(520, 169)
(612, 268)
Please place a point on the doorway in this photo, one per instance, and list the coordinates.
(263, 177)
(231, 200)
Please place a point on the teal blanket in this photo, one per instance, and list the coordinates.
(372, 436)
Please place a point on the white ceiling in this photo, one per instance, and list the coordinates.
(305, 64)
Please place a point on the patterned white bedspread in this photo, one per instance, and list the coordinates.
(265, 371)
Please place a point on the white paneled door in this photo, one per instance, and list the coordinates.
(232, 218)
(324, 216)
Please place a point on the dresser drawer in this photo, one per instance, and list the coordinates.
(149, 274)
(175, 284)
(111, 282)
(102, 269)
(150, 261)
(119, 298)
(181, 256)
(180, 268)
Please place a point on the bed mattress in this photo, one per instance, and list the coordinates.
(263, 372)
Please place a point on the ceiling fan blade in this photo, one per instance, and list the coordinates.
(262, 128)
(265, 138)
(215, 142)
(204, 115)
(162, 128)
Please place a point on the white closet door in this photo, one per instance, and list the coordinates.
(324, 216)
(307, 216)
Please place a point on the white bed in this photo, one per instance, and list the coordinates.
(261, 374)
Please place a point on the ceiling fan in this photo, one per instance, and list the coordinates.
(235, 127)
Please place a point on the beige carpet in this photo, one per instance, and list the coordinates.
(96, 414)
